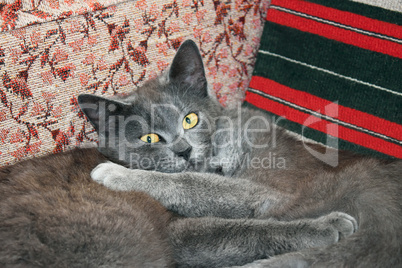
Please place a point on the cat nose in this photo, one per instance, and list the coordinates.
(185, 154)
(181, 148)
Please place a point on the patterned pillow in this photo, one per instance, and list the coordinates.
(53, 50)
(332, 71)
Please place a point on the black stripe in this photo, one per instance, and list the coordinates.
(319, 136)
(327, 118)
(375, 68)
(363, 9)
(329, 87)
(339, 25)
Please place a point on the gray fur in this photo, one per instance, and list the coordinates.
(53, 215)
(225, 176)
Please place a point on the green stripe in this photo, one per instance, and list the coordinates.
(319, 136)
(375, 68)
(363, 9)
(329, 87)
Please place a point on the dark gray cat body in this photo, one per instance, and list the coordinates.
(235, 164)
(54, 215)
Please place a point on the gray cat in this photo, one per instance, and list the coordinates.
(52, 214)
(239, 172)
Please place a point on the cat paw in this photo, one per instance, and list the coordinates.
(341, 225)
(111, 175)
(288, 260)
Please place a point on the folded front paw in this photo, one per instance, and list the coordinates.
(111, 175)
(342, 222)
(336, 226)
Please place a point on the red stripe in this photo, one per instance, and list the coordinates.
(344, 133)
(342, 17)
(335, 33)
(314, 103)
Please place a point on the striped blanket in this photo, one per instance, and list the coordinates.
(332, 71)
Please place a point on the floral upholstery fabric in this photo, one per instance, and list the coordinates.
(19, 13)
(53, 50)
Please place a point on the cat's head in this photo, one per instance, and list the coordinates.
(165, 125)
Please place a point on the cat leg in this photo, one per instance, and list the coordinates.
(363, 249)
(192, 194)
(216, 242)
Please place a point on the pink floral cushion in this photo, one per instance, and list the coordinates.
(16, 14)
(107, 49)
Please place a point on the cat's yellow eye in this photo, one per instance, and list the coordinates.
(150, 138)
(190, 121)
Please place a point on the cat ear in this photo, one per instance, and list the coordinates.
(98, 110)
(187, 67)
